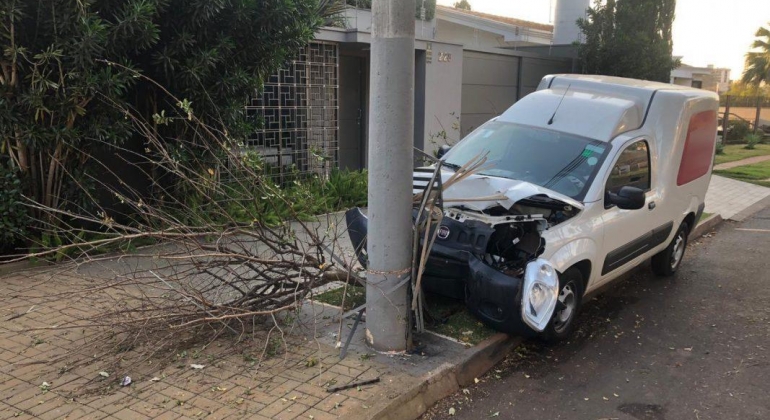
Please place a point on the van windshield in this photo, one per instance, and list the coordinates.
(561, 162)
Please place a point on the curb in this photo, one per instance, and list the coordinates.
(19, 266)
(750, 210)
(705, 226)
(444, 381)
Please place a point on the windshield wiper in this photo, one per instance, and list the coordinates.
(450, 165)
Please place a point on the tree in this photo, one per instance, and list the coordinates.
(61, 96)
(739, 88)
(629, 38)
(53, 91)
(463, 5)
(757, 71)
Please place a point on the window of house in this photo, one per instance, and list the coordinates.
(631, 169)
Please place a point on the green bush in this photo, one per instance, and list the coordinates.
(269, 202)
(75, 74)
(752, 140)
(347, 189)
(310, 196)
(720, 149)
(737, 131)
(14, 218)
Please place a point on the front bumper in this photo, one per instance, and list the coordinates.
(495, 298)
(453, 270)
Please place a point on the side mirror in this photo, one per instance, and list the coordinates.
(628, 198)
(442, 150)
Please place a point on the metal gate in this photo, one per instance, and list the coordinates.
(298, 109)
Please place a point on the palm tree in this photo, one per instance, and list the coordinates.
(757, 69)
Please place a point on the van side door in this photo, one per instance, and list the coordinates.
(629, 234)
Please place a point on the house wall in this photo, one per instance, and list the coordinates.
(713, 79)
(489, 87)
(443, 94)
(492, 82)
(534, 68)
(361, 21)
(467, 36)
(681, 81)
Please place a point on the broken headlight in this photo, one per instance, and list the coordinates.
(540, 294)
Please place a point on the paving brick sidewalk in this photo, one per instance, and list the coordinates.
(728, 197)
(288, 386)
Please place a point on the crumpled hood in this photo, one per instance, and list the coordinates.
(466, 192)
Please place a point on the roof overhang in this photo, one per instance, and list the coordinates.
(509, 32)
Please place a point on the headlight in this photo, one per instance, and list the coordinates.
(541, 292)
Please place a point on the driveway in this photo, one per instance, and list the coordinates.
(690, 347)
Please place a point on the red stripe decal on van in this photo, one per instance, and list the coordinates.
(698, 151)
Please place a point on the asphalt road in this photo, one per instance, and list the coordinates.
(694, 346)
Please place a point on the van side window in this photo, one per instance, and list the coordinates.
(632, 168)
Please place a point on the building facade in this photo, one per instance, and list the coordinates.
(469, 67)
(709, 78)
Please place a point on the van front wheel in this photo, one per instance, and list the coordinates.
(570, 297)
(666, 262)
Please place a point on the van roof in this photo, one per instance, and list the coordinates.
(598, 107)
(594, 80)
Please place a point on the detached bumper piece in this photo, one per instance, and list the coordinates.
(495, 298)
(447, 270)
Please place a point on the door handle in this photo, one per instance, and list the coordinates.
(651, 205)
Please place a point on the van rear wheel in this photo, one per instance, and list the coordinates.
(666, 262)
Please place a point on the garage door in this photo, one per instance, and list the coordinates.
(490, 83)
(489, 87)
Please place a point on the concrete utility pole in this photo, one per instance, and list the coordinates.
(391, 136)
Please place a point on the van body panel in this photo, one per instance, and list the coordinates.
(656, 139)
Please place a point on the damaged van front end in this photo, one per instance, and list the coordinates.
(488, 247)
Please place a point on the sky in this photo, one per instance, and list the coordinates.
(715, 32)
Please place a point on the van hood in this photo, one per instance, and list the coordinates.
(482, 192)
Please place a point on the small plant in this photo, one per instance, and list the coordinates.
(249, 358)
(273, 347)
(720, 149)
(752, 140)
(736, 131)
(446, 138)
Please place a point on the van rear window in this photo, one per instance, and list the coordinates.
(698, 148)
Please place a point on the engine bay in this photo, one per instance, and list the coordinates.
(512, 237)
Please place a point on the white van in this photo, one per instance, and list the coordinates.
(589, 176)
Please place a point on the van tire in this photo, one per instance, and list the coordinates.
(666, 262)
(570, 293)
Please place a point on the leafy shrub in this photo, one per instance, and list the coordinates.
(720, 149)
(752, 140)
(296, 196)
(13, 213)
(76, 68)
(737, 130)
(311, 196)
(347, 189)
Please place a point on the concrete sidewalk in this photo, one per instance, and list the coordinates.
(732, 199)
(742, 162)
